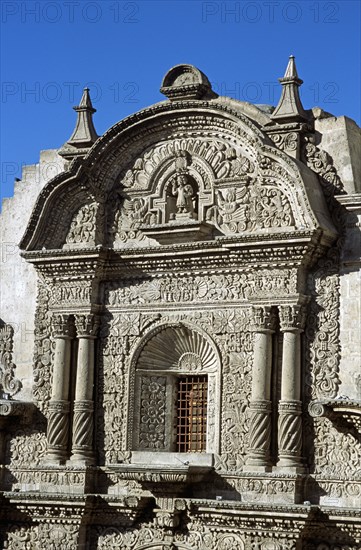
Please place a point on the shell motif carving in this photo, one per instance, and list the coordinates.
(178, 348)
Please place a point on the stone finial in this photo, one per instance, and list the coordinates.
(84, 134)
(186, 82)
(289, 108)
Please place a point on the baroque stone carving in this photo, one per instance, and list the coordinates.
(250, 208)
(152, 412)
(196, 241)
(322, 163)
(9, 384)
(82, 228)
(201, 288)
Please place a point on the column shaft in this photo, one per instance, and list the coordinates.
(58, 417)
(290, 406)
(260, 405)
(82, 447)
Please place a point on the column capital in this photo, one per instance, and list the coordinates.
(62, 326)
(87, 325)
(292, 317)
(263, 319)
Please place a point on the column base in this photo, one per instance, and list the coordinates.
(82, 457)
(54, 458)
(256, 468)
(289, 465)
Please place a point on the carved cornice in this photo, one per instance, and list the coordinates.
(162, 478)
(287, 249)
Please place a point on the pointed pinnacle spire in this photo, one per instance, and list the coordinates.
(84, 134)
(289, 108)
(291, 71)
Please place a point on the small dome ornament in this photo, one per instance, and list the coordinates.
(186, 82)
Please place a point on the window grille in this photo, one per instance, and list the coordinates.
(192, 414)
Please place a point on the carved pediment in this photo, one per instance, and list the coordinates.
(192, 175)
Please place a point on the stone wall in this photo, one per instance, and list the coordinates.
(18, 280)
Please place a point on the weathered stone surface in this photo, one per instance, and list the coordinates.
(186, 374)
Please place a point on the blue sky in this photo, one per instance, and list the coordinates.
(51, 49)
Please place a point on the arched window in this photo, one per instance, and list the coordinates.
(176, 393)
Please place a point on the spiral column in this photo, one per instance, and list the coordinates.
(83, 409)
(258, 457)
(292, 318)
(58, 416)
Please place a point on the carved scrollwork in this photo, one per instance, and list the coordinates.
(250, 208)
(9, 384)
(152, 414)
(83, 227)
(322, 163)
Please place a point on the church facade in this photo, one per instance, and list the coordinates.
(180, 330)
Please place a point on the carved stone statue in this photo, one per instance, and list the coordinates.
(185, 196)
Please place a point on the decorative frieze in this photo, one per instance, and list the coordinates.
(202, 288)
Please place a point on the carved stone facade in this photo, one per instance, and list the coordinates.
(191, 344)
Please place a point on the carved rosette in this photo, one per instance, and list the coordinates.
(259, 433)
(58, 429)
(289, 431)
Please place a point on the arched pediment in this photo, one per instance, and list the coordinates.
(235, 183)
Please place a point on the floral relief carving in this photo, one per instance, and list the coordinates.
(110, 417)
(9, 384)
(322, 163)
(250, 208)
(202, 288)
(152, 412)
(25, 447)
(44, 349)
(22, 537)
(82, 228)
(337, 454)
(322, 331)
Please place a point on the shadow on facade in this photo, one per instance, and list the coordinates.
(320, 530)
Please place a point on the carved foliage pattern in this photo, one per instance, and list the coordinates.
(202, 288)
(250, 208)
(44, 349)
(322, 163)
(322, 331)
(9, 385)
(152, 412)
(338, 454)
(82, 228)
(25, 448)
(111, 389)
